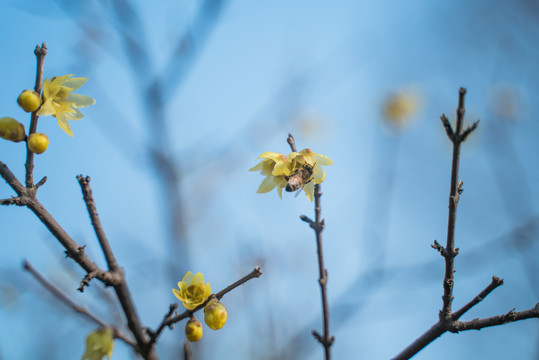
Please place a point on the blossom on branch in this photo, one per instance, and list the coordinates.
(60, 102)
(99, 343)
(298, 170)
(193, 291)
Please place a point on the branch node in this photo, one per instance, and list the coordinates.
(86, 280)
(290, 140)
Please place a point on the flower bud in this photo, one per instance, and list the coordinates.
(193, 329)
(215, 314)
(29, 100)
(38, 143)
(11, 129)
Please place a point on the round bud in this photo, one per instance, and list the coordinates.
(11, 129)
(215, 314)
(29, 100)
(193, 329)
(38, 143)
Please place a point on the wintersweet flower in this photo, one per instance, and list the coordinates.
(99, 343)
(276, 168)
(60, 102)
(301, 169)
(193, 291)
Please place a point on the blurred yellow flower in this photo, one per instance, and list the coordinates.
(60, 102)
(400, 106)
(299, 170)
(99, 343)
(193, 291)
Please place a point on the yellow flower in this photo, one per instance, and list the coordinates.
(215, 314)
(276, 168)
(193, 291)
(60, 102)
(99, 343)
(313, 161)
(279, 169)
(193, 329)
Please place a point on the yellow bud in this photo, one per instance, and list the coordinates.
(38, 143)
(29, 100)
(215, 314)
(193, 329)
(11, 129)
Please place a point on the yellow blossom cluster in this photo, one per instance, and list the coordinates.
(193, 292)
(297, 170)
(57, 100)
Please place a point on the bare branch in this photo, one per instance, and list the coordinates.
(59, 294)
(96, 222)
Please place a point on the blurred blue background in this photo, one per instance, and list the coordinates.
(189, 93)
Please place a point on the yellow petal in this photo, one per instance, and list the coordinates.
(188, 277)
(309, 191)
(177, 293)
(207, 290)
(322, 160)
(47, 108)
(319, 174)
(267, 185)
(78, 100)
(65, 125)
(73, 114)
(198, 279)
(74, 83)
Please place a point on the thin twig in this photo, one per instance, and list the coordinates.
(58, 293)
(84, 182)
(450, 252)
(290, 140)
(476, 300)
(318, 225)
(40, 53)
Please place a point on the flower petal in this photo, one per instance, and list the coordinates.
(78, 100)
(64, 124)
(322, 160)
(188, 277)
(267, 185)
(309, 191)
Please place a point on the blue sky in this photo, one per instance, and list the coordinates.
(263, 70)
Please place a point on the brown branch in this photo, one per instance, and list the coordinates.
(448, 321)
(170, 320)
(187, 354)
(476, 300)
(96, 222)
(40, 53)
(511, 316)
(59, 294)
(318, 225)
(290, 140)
(453, 201)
